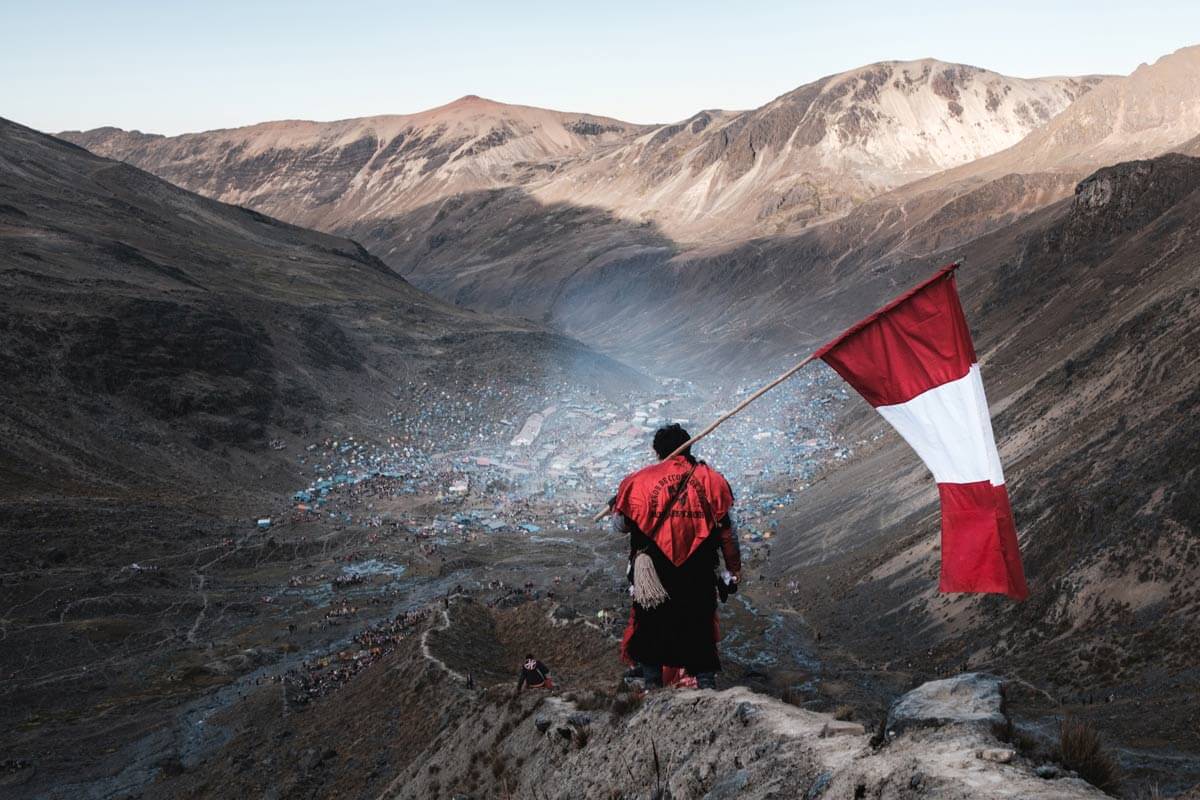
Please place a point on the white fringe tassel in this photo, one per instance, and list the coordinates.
(648, 590)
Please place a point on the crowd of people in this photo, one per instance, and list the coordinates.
(319, 677)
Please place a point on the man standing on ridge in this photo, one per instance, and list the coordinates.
(676, 513)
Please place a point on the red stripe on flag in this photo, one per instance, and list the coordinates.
(979, 542)
(918, 343)
(911, 345)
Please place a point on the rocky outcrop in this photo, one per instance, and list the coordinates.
(1126, 197)
(970, 699)
(731, 744)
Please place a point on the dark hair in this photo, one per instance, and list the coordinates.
(529, 655)
(667, 438)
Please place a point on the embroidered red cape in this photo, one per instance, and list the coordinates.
(642, 496)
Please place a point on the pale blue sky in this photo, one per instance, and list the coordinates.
(170, 66)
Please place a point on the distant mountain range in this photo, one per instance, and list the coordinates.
(329, 175)
(726, 219)
(805, 156)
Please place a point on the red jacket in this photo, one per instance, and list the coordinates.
(699, 512)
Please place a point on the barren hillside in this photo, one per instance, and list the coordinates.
(816, 152)
(1085, 317)
(175, 369)
(153, 316)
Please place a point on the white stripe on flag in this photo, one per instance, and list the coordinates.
(951, 429)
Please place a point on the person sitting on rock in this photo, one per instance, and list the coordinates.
(534, 675)
(676, 513)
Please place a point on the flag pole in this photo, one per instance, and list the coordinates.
(943, 272)
(742, 405)
(949, 269)
(608, 509)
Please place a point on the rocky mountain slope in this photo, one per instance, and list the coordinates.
(748, 297)
(174, 370)
(1085, 317)
(1154, 110)
(786, 294)
(815, 152)
(149, 329)
(329, 175)
(1150, 111)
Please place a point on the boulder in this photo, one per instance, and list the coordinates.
(973, 698)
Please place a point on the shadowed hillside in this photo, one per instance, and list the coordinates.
(175, 368)
(149, 329)
(1085, 316)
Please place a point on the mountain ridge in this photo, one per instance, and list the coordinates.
(708, 163)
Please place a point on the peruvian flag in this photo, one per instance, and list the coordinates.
(914, 362)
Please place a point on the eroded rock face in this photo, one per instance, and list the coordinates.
(974, 698)
(1126, 197)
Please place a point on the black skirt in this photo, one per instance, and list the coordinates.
(680, 632)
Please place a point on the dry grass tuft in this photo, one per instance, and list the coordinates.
(1081, 749)
(626, 703)
(582, 735)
